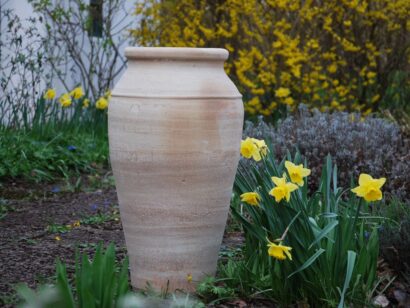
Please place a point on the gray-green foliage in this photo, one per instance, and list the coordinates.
(371, 145)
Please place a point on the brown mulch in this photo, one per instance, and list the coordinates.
(28, 250)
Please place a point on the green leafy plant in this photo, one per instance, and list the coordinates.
(96, 219)
(56, 228)
(213, 290)
(59, 154)
(238, 275)
(332, 243)
(97, 283)
(100, 218)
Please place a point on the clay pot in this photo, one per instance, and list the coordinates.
(175, 125)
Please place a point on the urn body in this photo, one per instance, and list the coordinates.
(175, 124)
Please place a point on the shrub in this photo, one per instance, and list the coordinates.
(330, 54)
(82, 39)
(22, 67)
(26, 69)
(356, 144)
(319, 252)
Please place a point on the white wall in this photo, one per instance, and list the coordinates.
(24, 10)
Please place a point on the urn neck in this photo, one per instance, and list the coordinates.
(165, 72)
(176, 53)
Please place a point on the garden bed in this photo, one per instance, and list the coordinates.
(29, 247)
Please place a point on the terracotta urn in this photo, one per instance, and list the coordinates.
(175, 125)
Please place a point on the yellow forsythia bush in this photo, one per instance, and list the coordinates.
(330, 54)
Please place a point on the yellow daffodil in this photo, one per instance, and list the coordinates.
(279, 251)
(50, 94)
(261, 145)
(86, 103)
(251, 198)
(76, 223)
(77, 93)
(65, 100)
(250, 150)
(282, 92)
(296, 172)
(57, 238)
(107, 94)
(282, 189)
(369, 188)
(102, 103)
(189, 278)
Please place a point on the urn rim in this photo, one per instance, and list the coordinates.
(176, 53)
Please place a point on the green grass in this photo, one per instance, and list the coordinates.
(47, 141)
(32, 156)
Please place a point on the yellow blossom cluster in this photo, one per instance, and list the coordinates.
(333, 55)
(77, 93)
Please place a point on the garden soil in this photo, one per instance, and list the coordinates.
(29, 239)
(34, 233)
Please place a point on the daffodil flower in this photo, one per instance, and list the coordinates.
(369, 188)
(107, 94)
(253, 148)
(278, 251)
(296, 172)
(86, 103)
(65, 100)
(102, 103)
(261, 145)
(251, 198)
(250, 150)
(50, 94)
(282, 189)
(77, 93)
